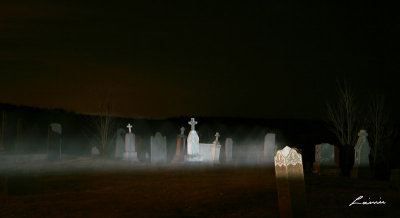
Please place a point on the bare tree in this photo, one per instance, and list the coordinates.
(377, 121)
(343, 115)
(104, 125)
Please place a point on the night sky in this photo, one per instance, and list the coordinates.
(158, 59)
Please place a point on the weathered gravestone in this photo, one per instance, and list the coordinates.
(361, 156)
(130, 150)
(158, 148)
(269, 148)
(193, 147)
(216, 148)
(290, 183)
(180, 147)
(95, 151)
(325, 160)
(54, 141)
(120, 143)
(228, 150)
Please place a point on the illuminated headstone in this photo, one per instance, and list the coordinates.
(130, 150)
(158, 148)
(54, 141)
(193, 150)
(361, 155)
(290, 183)
(228, 149)
(180, 147)
(269, 148)
(120, 144)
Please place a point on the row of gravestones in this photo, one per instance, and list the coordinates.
(327, 157)
(188, 149)
(158, 148)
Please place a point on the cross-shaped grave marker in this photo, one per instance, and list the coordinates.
(182, 131)
(216, 136)
(193, 123)
(129, 126)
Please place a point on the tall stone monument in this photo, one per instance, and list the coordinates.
(193, 149)
(290, 183)
(361, 156)
(228, 150)
(180, 147)
(54, 141)
(269, 149)
(130, 152)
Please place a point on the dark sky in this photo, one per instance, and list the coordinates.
(203, 58)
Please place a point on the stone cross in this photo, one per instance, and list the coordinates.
(192, 123)
(182, 131)
(129, 126)
(216, 136)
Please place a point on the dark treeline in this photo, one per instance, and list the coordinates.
(26, 130)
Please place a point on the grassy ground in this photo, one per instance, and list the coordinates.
(181, 192)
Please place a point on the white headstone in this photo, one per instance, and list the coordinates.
(269, 148)
(193, 149)
(130, 150)
(205, 152)
(228, 149)
(158, 148)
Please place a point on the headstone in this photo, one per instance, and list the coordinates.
(54, 142)
(361, 156)
(193, 147)
(95, 151)
(120, 143)
(325, 159)
(269, 148)
(290, 183)
(205, 152)
(130, 151)
(209, 152)
(216, 147)
(158, 148)
(228, 149)
(179, 153)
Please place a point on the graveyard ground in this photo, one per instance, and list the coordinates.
(88, 188)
